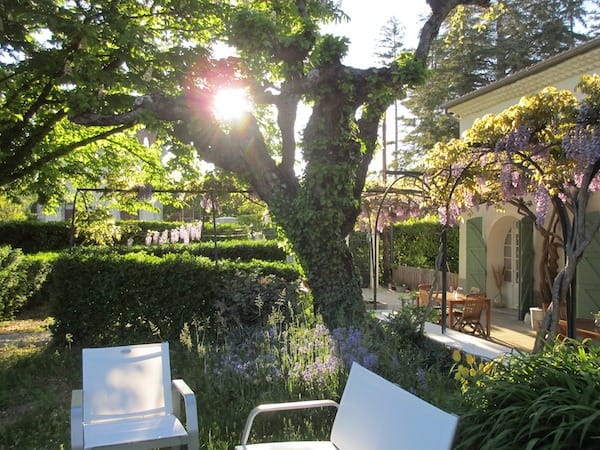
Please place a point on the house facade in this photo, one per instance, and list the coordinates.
(500, 253)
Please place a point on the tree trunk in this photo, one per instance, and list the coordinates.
(334, 282)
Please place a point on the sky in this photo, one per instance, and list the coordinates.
(368, 17)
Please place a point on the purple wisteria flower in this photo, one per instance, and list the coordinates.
(582, 144)
(542, 204)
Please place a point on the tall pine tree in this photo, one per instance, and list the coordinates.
(477, 47)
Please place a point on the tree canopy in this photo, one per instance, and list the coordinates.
(117, 65)
(59, 59)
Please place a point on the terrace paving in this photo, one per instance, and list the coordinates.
(506, 329)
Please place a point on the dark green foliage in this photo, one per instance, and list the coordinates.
(417, 243)
(549, 400)
(33, 237)
(37, 269)
(11, 281)
(110, 299)
(359, 247)
(22, 278)
(233, 250)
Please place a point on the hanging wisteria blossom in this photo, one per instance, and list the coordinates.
(582, 144)
(541, 200)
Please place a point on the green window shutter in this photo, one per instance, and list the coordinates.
(587, 285)
(476, 255)
(526, 265)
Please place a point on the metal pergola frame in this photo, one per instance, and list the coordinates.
(160, 191)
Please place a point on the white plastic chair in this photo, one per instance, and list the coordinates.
(373, 414)
(127, 401)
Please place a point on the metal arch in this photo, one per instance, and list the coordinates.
(400, 175)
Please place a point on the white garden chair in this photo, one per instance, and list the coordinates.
(373, 414)
(128, 401)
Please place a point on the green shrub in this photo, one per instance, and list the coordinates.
(22, 279)
(101, 299)
(417, 242)
(38, 268)
(549, 400)
(360, 256)
(33, 237)
(12, 279)
(245, 250)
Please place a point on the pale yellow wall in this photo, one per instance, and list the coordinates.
(495, 226)
(563, 72)
(469, 116)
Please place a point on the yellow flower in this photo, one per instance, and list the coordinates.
(472, 372)
(470, 359)
(456, 356)
(463, 371)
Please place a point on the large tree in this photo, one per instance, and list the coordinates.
(58, 59)
(282, 61)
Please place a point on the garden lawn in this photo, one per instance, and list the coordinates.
(547, 401)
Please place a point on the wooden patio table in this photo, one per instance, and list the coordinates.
(460, 300)
(583, 327)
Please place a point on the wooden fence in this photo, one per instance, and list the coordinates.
(413, 276)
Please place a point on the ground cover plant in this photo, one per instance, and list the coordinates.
(282, 360)
(547, 400)
(543, 401)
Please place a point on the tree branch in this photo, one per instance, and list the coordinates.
(439, 11)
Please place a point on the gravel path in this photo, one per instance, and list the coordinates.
(29, 328)
(25, 338)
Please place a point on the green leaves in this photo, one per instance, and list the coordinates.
(128, 298)
(549, 400)
(76, 57)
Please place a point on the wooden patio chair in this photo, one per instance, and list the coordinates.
(424, 290)
(468, 320)
(129, 401)
(423, 294)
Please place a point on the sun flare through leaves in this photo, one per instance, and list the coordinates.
(231, 103)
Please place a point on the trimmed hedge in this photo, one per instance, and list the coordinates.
(114, 299)
(22, 279)
(34, 237)
(242, 250)
(415, 243)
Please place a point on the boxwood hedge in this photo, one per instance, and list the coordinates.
(105, 299)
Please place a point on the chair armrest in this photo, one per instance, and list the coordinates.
(77, 419)
(272, 407)
(182, 390)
